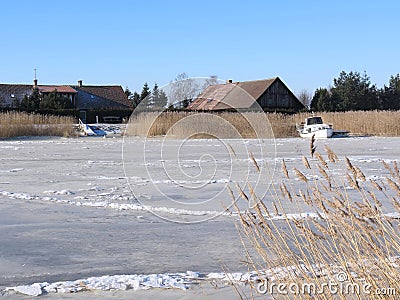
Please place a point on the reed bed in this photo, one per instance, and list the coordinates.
(252, 125)
(13, 124)
(348, 248)
(197, 125)
(377, 123)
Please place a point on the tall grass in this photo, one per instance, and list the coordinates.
(349, 241)
(193, 124)
(13, 124)
(249, 125)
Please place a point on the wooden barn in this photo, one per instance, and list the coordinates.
(270, 94)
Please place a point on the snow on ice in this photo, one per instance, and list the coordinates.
(182, 281)
(139, 207)
(110, 282)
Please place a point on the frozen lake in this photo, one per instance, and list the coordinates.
(75, 208)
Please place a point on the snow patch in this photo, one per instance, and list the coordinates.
(157, 209)
(148, 208)
(180, 281)
(33, 290)
(62, 192)
(12, 170)
(183, 182)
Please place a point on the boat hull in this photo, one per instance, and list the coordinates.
(340, 133)
(318, 134)
(314, 127)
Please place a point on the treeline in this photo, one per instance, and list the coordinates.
(149, 99)
(354, 91)
(181, 92)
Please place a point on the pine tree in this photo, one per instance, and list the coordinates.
(55, 100)
(128, 93)
(135, 99)
(145, 91)
(159, 98)
(354, 92)
(390, 95)
(155, 94)
(31, 102)
(35, 99)
(322, 101)
(163, 99)
(145, 97)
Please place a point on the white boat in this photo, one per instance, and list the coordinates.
(314, 126)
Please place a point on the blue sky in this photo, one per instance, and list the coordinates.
(305, 43)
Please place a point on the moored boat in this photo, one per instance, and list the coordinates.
(314, 126)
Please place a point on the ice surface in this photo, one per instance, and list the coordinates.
(68, 210)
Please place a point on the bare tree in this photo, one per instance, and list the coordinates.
(212, 80)
(305, 97)
(183, 90)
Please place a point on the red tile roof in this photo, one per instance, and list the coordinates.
(60, 88)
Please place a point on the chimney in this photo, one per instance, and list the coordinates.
(80, 83)
(229, 81)
(34, 79)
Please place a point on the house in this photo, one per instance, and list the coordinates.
(63, 90)
(85, 98)
(270, 94)
(99, 97)
(12, 94)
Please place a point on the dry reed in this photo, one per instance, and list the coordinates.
(349, 240)
(251, 125)
(193, 124)
(378, 123)
(13, 124)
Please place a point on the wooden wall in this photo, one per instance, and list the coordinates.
(280, 97)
